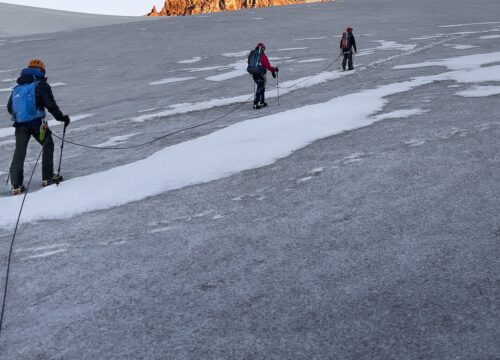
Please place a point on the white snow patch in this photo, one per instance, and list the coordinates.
(285, 88)
(41, 248)
(457, 63)
(117, 140)
(488, 37)
(292, 49)
(171, 80)
(480, 91)
(365, 52)
(415, 142)
(393, 45)
(9, 89)
(462, 47)
(4, 132)
(246, 145)
(312, 60)
(190, 61)
(240, 69)
(27, 40)
(237, 54)
(160, 230)
(311, 38)
(304, 179)
(57, 84)
(469, 24)
(46, 254)
(207, 68)
(7, 80)
(147, 110)
(316, 171)
(398, 114)
(7, 142)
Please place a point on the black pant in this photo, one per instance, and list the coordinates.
(23, 135)
(347, 57)
(260, 81)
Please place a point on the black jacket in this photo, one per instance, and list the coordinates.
(352, 43)
(43, 95)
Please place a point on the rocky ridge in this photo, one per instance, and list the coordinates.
(192, 7)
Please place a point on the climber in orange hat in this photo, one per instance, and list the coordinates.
(27, 105)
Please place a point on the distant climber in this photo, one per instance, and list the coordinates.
(27, 105)
(258, 64)
(347, 44)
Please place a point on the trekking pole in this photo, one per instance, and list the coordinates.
(8, 178)
(60, 155)
(278, 86)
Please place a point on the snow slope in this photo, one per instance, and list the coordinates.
(18, 20)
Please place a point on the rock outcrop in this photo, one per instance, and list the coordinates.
(192, 7)
(153, 12)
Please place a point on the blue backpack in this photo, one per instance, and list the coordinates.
(24, 103)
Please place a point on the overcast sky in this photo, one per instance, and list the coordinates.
(108, 7)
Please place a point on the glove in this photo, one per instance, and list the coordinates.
(66, 120)
(274, 74)
(277, 70)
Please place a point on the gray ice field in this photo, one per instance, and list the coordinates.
(359, 219)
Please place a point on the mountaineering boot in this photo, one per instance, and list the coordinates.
(56, 179)
(17, 190)
(256, 106)
(263, 104)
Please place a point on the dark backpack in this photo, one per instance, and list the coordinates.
(346, 41)
(255, 62)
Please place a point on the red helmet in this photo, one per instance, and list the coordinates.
(261, 45)
(349, 29)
